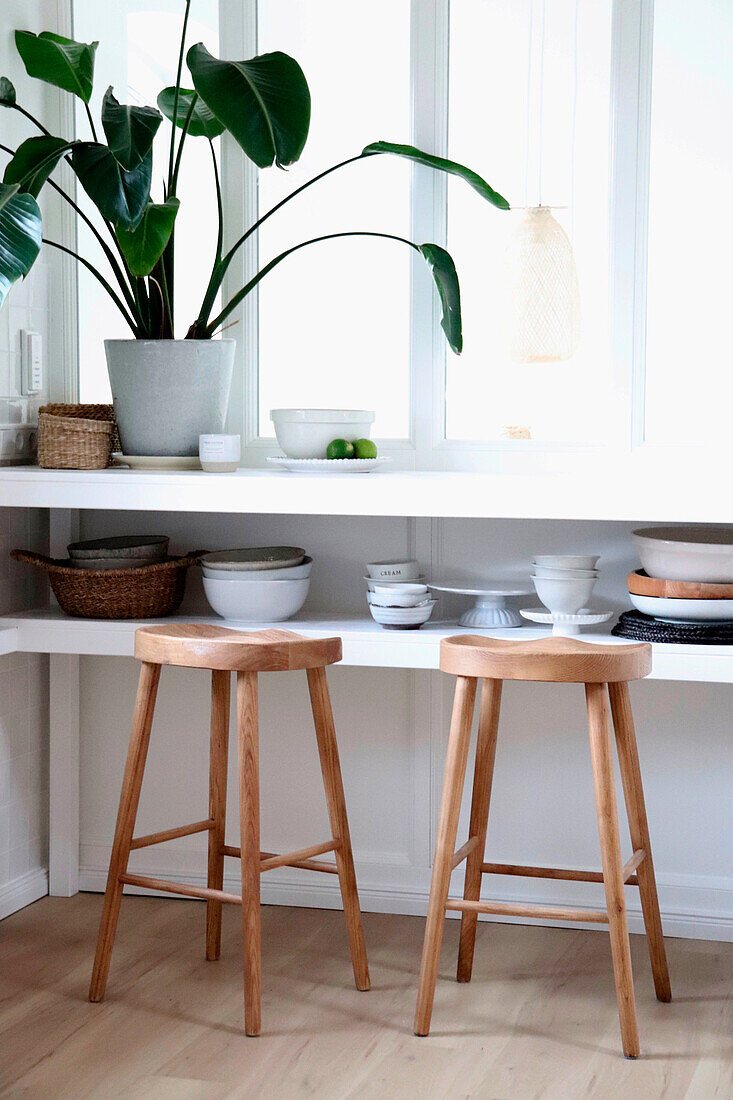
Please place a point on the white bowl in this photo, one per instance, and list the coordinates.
(398, 599)
(683, 611)
(402, 618)
(564, 594)
(396, 570)
(247, 576)
(686, 553)
(385, 584)
(265, 602)
(567, 561)
(407, 588)
(306, 433)
(545, 571)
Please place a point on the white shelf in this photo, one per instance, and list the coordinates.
(622, 492)
(365, 643)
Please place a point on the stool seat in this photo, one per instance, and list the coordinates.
(556, 660)
(202, 645)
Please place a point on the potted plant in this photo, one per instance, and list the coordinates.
(168, 390)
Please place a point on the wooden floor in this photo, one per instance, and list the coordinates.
(538, 1019)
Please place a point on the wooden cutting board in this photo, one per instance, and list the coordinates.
(642, 585)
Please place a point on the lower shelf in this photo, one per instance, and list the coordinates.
(365, 643)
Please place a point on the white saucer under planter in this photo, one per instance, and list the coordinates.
(563, 624)
(490, 608)
(166, 393)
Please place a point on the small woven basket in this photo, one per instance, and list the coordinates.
(76, 437)
(150, 592)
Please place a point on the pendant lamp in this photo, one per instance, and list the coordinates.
(543, 295)
(543, 308)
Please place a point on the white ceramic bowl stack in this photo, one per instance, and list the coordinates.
(266, 584)
(396, 597)
(564, 584)
(698, 563)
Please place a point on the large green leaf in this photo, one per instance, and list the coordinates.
(34, 161)
(20, 235)
(442, 165)
(120, 196)
(7, 92)
(264, 102)
(57, 60)
(203, 123)
(129, 130)
(143, 247)
(444, 272)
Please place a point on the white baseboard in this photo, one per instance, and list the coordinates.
(22, 891)
(686, 921)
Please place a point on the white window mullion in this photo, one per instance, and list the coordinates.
(429, 85)
(238, 37)
(631, 117)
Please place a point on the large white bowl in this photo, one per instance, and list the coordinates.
(265, 602)
(248, 576)
(683, 611)
(564, 594)
(686, 553)
(306, 433)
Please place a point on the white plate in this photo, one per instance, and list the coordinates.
(329, 465)
(565, 625)
(683, 611)
(488, 589)
(157, 462)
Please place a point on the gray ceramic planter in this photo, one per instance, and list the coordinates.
(168, 392)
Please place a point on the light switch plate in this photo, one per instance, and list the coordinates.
(31, 362)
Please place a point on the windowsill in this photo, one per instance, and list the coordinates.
(621, 492)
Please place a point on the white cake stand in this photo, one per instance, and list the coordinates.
(564, 625)
(490, 606)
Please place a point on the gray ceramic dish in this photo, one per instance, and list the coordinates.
(148, 547)
(260, 558)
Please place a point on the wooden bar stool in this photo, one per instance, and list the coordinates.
(557, 660)
(225, 651)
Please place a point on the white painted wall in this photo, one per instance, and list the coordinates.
(24, 678)
(393, 728)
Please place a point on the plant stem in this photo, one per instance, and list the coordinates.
(184, 132)
(90, 267)
(219, 207)
(241, 294)
(91, 121)
(175, 94)
(33, 119)
(219, 270)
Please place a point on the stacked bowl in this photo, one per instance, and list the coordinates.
(565, 582)
(400, 605)
(686, 575)
(119, 552)
(261, 584)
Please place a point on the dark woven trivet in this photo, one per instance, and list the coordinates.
(643, 628)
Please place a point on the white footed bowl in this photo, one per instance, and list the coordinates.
(306, 433)
(266, 602)
(565, 595)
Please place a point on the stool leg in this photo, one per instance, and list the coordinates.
(482, 779)
(600, 746)
(129, 799)
(334, 789)
(450, 807)
(623, 722)
(249, 811)
(218, 753)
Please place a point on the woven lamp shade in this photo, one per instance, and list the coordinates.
(544, 301)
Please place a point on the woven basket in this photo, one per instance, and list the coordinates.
(149, 592)
(76, 437)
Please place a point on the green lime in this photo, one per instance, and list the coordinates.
(340, 448)
(365, 448)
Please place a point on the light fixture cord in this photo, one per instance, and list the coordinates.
(574, 116)
(542, 101)
(528, 119)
